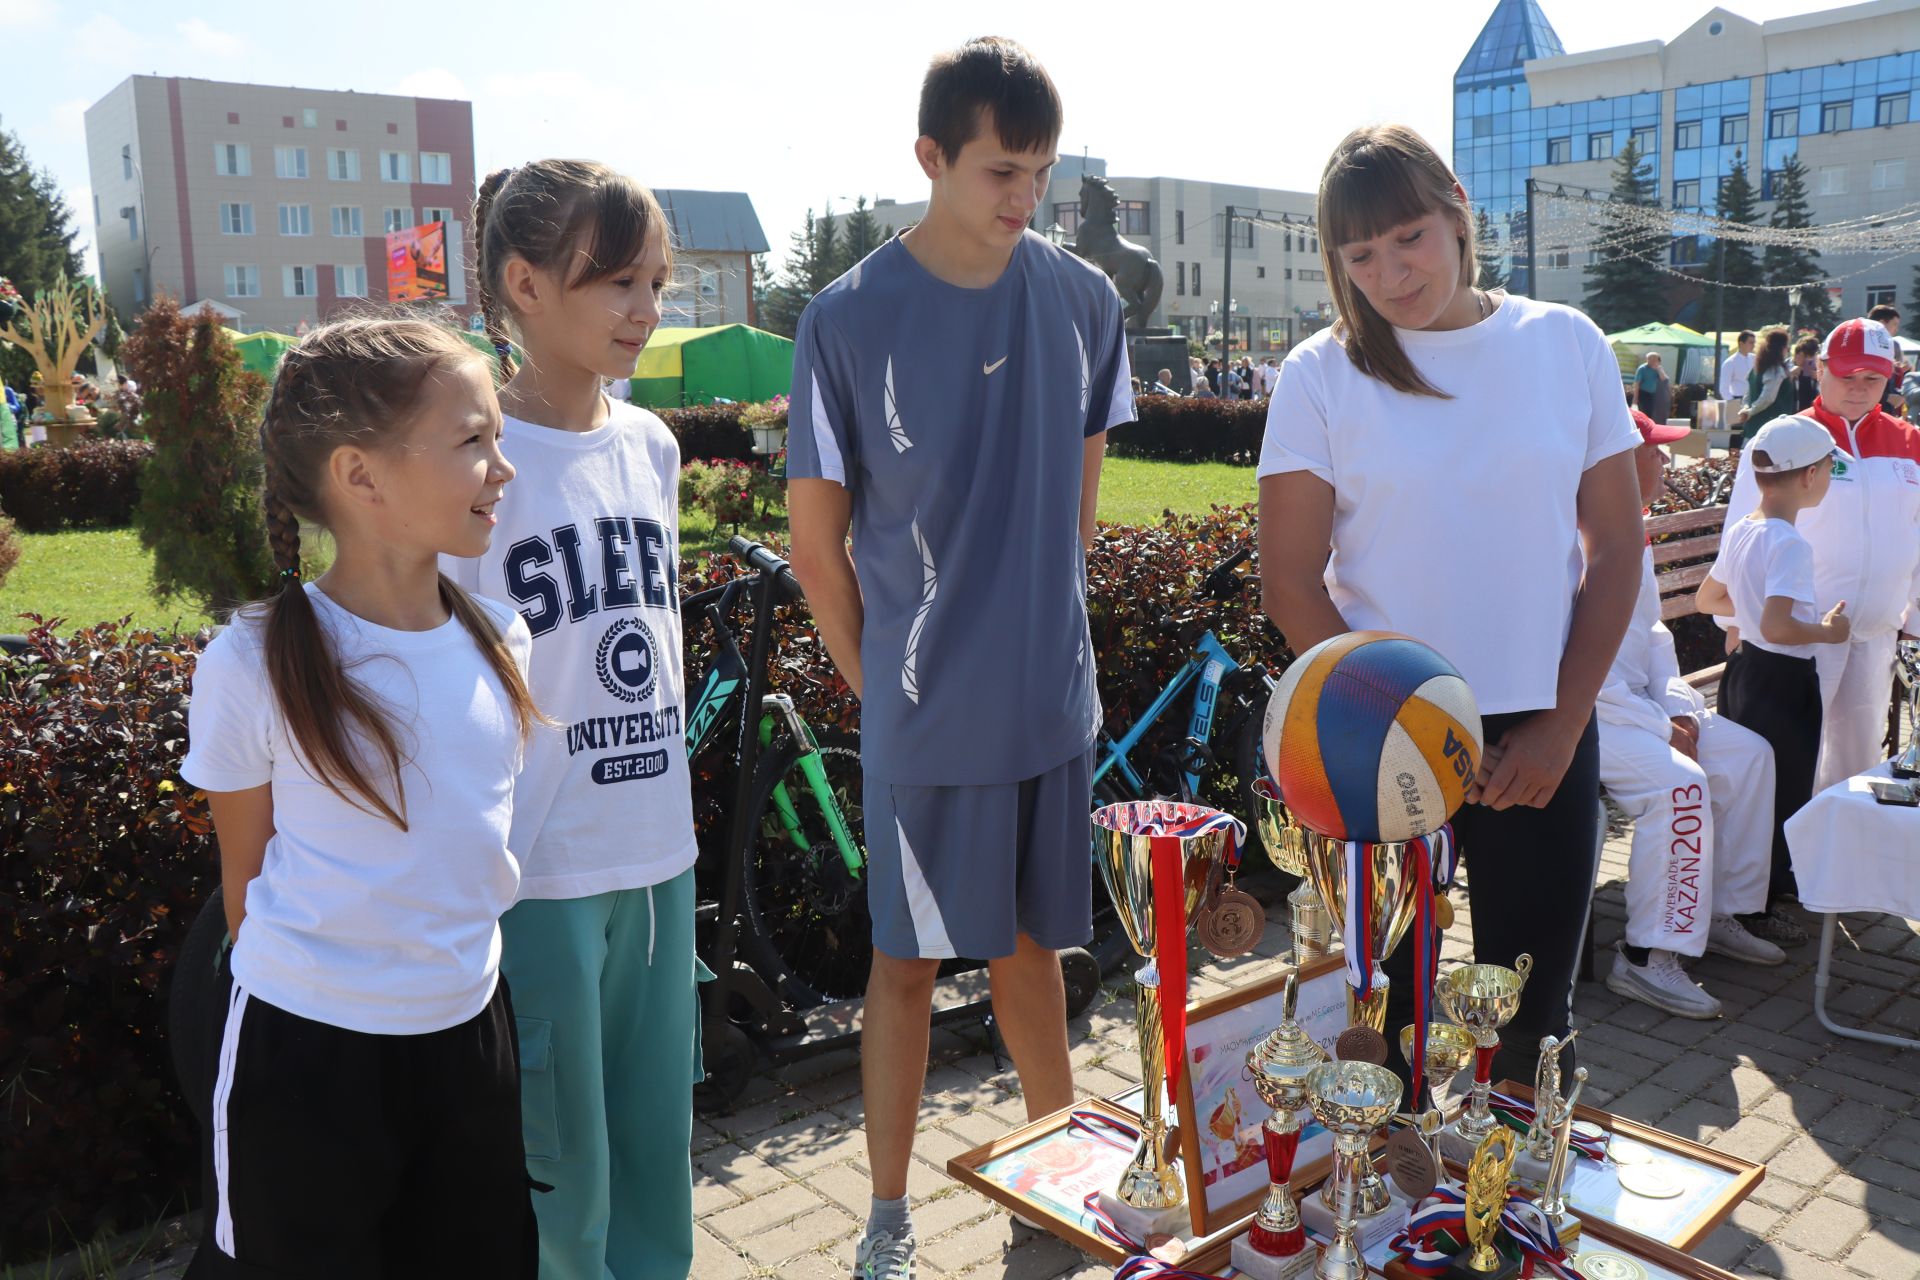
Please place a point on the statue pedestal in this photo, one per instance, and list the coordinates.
(1151, 351)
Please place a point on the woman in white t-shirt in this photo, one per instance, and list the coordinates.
(358, 738)
(1456, 465)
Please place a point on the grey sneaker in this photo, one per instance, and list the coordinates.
(1726, 936)
(1662, 983)
(883, 1256)
(1776, 926)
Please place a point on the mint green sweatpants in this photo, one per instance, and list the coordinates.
(609, 1018)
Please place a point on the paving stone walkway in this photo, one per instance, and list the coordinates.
(781, 1182)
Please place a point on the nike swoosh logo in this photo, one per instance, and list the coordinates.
(989, 368)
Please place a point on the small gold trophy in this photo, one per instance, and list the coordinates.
(1449, 1050)
(1486, 1201)
(1482, 998)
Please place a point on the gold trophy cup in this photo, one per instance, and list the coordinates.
(1286, 843)
(1482, 998)
(1386, 898)
(1449, 1050)
(1352, 1100)
(1125, 856)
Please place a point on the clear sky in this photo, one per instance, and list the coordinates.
(799, 105)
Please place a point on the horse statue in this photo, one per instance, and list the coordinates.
(1132, 269)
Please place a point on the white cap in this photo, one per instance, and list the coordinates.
(1792, 442)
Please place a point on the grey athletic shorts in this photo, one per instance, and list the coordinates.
(960, 871)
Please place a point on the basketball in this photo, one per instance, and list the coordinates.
(1372, 736)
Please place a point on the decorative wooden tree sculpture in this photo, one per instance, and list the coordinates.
(54, 329)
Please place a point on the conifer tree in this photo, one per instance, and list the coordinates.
(1623, 288)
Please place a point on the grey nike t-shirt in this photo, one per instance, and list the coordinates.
(957, 419)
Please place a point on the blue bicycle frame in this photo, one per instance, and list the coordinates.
(1211, 664)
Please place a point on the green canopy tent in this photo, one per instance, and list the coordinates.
(261, 352)
(1687, 353)
(726, 362)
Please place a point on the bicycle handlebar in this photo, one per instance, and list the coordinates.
(757, 557)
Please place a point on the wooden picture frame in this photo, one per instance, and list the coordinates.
(1742, 1177)
(1232, 1164)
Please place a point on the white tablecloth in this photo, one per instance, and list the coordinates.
(1852, 853)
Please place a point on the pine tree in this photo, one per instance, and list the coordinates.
(808, 269)
(1623, 288)
(762, 285)
(1733, 263)
(1913, 299)
(860, 236)
(824, 260)
(36, 238)
(1492, 263)
(1787, 268)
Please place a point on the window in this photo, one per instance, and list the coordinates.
(1880, 295)
(1645, 139)
(1836, 116)
(299, 282)
(436, 166)
(139, 285)
(1067, 216)
(1686, 195)
(1889, 175)
(1833, 180)
(126, 162)
(1784, 123)
(1559, 150)
(1559, 261)
(343, 164)
(1686, 250)
(1180, 279)
(394, 167)
(133, 223)
(1599, 146)
(310, 117)
(1733, 131)
(709, 284)
(1260, 273)
(232, 160)
(1288, 239)
(1135, 218)
(397, 219)
(1686, 134)
(236, 219)
(346, 220)
(1242, 232)
(1196, 279)
(435, 213)
(290, 162)
(1179, 226)
(350, 282)
(296, 220)
(1309, 273)
(1892, 109)
(1289, 274)
(243, 282)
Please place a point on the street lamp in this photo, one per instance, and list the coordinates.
(1057, 234)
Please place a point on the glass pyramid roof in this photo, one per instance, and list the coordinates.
(1517, 31)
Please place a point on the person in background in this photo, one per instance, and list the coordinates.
(1651, 390)
(1766, 396)
(1806, 373)
(1162, 385)
(1202, 376)
(1213, 376)
(1892, 400)
(10, 435)
(1733, 373)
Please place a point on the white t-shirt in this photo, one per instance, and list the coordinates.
(352, 921)
(1454, 520)
(1760, 559)
(1733, 376)
(587, 549)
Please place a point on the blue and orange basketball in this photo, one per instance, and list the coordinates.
(1372, 736)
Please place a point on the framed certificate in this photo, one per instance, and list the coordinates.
(1598, 1259)
(1652, 1186)
(1220, 1115)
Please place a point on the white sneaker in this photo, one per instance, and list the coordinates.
(883, 1256)
(1662, 983)
(1728, 937)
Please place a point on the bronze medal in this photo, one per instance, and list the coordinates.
(1232, 924)
(1442, 911)
(1361, 1044)
(1410, 1160)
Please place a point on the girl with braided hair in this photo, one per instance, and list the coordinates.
(573, 259)
(358, 738)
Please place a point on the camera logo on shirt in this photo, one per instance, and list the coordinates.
(628, 660)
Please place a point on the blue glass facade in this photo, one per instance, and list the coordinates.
(1833, 99)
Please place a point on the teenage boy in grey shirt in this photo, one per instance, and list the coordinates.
(931, 416)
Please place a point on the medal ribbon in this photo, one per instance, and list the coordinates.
(1442, 1217)
(1433, 866)
(1358, 920)
(1518, 1115)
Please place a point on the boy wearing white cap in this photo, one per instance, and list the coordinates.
(1699, 789)
(1763, 581)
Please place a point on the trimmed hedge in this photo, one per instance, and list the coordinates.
(93, 484)
(710, 431)
(1179, 429)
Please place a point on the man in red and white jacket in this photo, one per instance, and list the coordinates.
(1866, 542)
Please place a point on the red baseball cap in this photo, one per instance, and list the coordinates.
(1857, 345)
(1657, 432)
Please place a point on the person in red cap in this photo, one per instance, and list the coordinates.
(1866, 551)
(1699, 789)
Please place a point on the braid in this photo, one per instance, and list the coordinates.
(483, 275)
(283, 535)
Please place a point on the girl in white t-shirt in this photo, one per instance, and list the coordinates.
(600, 947)
(1457, 466)
(358, 737)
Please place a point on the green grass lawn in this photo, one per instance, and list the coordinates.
(93, 575)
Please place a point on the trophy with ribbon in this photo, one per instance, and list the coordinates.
(1373, 739)
(1906, 668)
(1482, 998)
(1352, 1100)
(1160, 861)
(1286, 842)
(1483, 1231)
(1276, 1245)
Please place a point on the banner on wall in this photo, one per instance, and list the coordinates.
(417, 263)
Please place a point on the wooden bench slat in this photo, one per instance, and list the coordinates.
(1706, 677)
(1669, 553)
(1676, 606)
(1685, 521)
(1686, 579)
